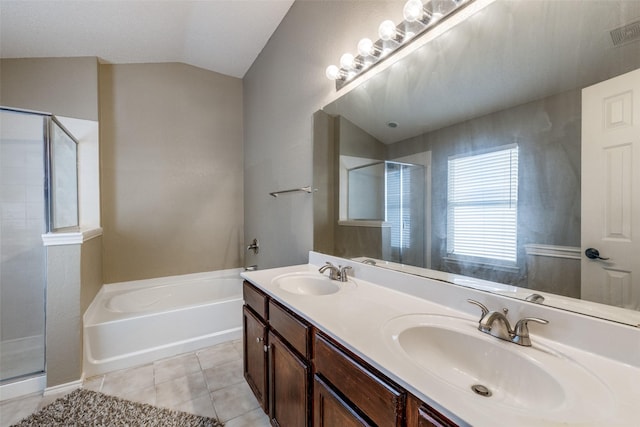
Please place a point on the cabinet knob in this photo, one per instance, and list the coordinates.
(259, 340)
(266, 348)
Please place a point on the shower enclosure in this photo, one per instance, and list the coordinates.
(392, 192)
(38, 194)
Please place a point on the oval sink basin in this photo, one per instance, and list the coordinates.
(313, 284)
(487, 369)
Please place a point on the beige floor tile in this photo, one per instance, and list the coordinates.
(218, 355)
(233, 401)
(202, 406)
(209, 383)
(179, 390)
(12, 411)
(255, 418)
(128, 380)
(93, 383)
(145, 395)
(237, 344)
(224, 375)
(175, 367)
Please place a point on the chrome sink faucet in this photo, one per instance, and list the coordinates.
(496, 324)
(336, 273)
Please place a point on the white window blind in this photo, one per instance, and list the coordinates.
(482, 205)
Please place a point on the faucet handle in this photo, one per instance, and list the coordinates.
(484, 308)
(343, 273)
(521, 331)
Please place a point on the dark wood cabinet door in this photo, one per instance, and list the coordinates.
(419, 414)
(255, 358)
(329, 410)
(288, 386)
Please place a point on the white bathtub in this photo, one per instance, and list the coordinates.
(134, 323)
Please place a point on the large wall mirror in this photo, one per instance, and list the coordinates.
(468, 159)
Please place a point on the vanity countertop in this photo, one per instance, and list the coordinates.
(359, 315)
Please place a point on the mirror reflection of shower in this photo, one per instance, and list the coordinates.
(38, 194)
(391, 193)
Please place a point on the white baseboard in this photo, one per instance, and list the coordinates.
(63, 388)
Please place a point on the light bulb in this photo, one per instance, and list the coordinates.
(365, 47)
(332, 72)
(413, 10)
(387, 30)
(347, 61)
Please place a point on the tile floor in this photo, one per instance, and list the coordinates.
(208, 382)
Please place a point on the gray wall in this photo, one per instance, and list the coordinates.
(283, 89)
(171, 151)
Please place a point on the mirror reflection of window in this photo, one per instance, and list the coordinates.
(482, 205)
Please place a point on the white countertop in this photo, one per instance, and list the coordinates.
(356, 317)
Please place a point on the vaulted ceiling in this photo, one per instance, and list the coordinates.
(225, 36)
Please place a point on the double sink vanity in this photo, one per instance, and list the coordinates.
(366, 346)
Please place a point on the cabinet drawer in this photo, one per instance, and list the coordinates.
(380, 401)
(294, 330)
(256, 299)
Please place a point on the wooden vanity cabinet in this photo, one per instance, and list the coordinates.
(289, 368)
(277, 345)
(254, 340)
(288, 385)
(365, 394)
(302, 377)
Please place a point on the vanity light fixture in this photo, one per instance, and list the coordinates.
(388, 31)
(418, 18)
(367, 48)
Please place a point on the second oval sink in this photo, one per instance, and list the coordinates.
(467, 360)
(528, 380)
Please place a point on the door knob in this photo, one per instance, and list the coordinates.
(592, 253)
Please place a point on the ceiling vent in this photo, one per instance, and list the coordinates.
(627, 34)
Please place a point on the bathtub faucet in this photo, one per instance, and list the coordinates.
(254, 246)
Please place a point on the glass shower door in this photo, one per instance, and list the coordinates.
(22, 255)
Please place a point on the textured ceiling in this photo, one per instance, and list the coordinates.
(225, 36)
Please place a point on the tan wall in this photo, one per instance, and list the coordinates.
(64, 318)
(90, 271)
(172, 170)
(63, 86)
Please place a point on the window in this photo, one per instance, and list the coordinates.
(482, 205)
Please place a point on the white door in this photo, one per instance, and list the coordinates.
(611, 191)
